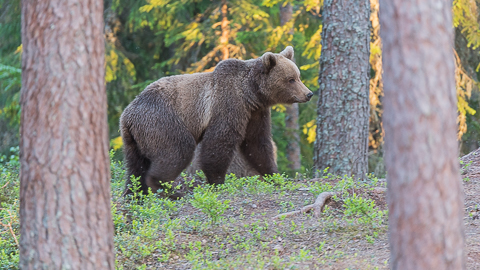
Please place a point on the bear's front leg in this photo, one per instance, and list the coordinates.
(257, 146)
(217, 151)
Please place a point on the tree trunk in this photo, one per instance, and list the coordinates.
(424, 188)
(343, 106)
(225, 31)
(291, 114)
(286, 13)
(64, 185)
(293, 146)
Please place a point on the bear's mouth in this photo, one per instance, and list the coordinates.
(298, 100)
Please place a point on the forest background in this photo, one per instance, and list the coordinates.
(147, 40)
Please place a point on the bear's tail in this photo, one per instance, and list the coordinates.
(137, 164)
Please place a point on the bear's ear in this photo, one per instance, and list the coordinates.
(269, 61)
(288, 52)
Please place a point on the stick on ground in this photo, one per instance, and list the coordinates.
(317, 207)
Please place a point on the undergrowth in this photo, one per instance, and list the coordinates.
(223, 227)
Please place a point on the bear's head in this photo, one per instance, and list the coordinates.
(281, 79)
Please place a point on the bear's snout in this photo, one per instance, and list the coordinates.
(309, 95)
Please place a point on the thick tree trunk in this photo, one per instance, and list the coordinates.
(64, 186)
(291, 114)
(343, 106)
(421, 148)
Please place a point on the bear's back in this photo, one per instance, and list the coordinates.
(188, 97)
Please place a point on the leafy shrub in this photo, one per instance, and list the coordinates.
(206, 199)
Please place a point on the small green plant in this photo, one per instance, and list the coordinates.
(206, 199)
(319, 249)
(302, 255)
(464, 167)
(358, 206)
(287, 206)
(370, 239)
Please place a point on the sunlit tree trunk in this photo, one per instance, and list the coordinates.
(343, 106)
(225, 31)
(291, 113)
(376, 83)
(421, 148)
(64, 183)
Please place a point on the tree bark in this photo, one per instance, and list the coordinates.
(424, 187)
(343, 106)
(64, 185)
(291, 113)
(293, 145)
(225, 31)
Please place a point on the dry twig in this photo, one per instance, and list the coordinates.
(8, 182)
(317, 207)
(9, 226)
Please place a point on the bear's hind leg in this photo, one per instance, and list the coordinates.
(137, 166)
(167, 168)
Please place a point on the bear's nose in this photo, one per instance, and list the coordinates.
(309, 95)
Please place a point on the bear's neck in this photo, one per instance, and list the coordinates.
(252, 94)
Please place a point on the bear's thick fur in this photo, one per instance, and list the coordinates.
(239, 165)
(225, 109)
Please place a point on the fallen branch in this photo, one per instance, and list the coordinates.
(317, 207)
(8, 182)
(9, 226)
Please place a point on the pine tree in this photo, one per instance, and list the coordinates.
(343, 104)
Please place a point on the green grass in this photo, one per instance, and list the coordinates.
(228, 226)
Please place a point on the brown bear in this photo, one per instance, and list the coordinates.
(226, 109)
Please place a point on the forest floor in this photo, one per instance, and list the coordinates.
(232, 226)
(472, 221)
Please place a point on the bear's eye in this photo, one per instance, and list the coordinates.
(291, 81)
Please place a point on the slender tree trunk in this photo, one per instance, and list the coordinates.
(64, 184)
(291, 114)
(421, 148)
(376, 83)
(225, 31)
(286, 13)
(343, 107)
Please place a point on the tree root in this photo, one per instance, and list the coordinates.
(317, 207)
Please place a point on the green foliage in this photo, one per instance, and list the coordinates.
(139, 221)
(10, 29)
(151, 231)
(465, 16)
(9, 210)
(206, 199)
(10, 81)
(10, 76)
(363, 211)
